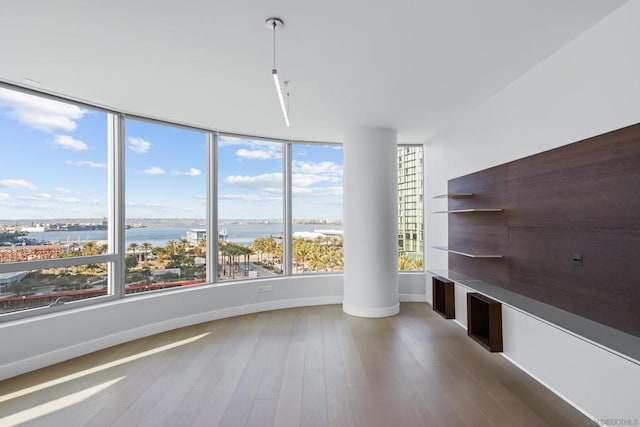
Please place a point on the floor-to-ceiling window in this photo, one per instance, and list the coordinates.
(54, 203)
(317, 208)
(410, 208)
(75, 177)
(165, 194)
(250, 208)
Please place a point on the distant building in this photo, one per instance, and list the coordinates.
(197, 235)
(7, 279)
(410, 205)
(33, 229)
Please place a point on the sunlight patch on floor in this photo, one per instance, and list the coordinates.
(99, 368)
(56, 404)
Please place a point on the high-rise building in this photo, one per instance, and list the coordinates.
(410, 206)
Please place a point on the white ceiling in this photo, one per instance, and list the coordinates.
(411, 65)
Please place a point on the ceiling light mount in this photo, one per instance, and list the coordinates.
(274, 23)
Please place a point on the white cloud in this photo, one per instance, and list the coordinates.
(139, 145)
(268, 154)
(69, 143)
(154, 170)
(39, 197)
(243, 197)
(306, 180)
(51, 201)
(17, 183)
(89, 163)
(69, 200)
(39, 112)
(191, 172)
(253, 198)
(147, 209)
(4, 196)
(317, 191)
(270, 182)
(252, 148)
(228, 141)
(62, 190)
(326, 168)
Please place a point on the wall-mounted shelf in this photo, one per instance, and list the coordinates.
(456, 211)
(484, 321)
(444, 248)
(452, 195)
(443, 301)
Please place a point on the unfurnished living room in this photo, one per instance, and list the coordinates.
(408, 213)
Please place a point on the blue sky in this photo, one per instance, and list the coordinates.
(54, 165)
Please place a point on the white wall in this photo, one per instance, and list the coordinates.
(590, 86)
(36, 342)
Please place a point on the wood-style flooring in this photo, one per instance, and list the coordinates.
(310, 366)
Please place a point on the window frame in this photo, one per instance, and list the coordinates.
(116, 209)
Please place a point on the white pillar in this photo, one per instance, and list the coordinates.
(370, 222)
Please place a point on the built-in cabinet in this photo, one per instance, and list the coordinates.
(484, 321)
(443, 297)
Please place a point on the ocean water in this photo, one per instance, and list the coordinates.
(160, 235)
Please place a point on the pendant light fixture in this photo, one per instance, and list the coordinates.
(274, 24)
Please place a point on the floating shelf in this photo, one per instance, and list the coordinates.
(452, 195)
(444, 248)
(455, 211)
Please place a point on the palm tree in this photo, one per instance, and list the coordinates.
(134, 247)
(339, 259)
(170, 248)
(245, 251)
(258, 246)
(315, 259)
(90, 248)
(201, 248)
(403, 262)
(184, 245)
(146, 247)
(300, 251)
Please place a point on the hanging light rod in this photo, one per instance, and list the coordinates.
(275, 23)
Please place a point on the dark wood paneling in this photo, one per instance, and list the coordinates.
(488, 187)
(591, 184)
(583, 198)
(604, 288)
(479, 232)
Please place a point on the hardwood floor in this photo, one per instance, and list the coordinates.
(311, 366)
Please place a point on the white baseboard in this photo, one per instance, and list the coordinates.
(412, 298)
(360, 311)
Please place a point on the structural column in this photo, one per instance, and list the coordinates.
(370, 222)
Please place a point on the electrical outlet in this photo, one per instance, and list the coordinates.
(577, 259)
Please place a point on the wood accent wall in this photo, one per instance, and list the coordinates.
(582, 198)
